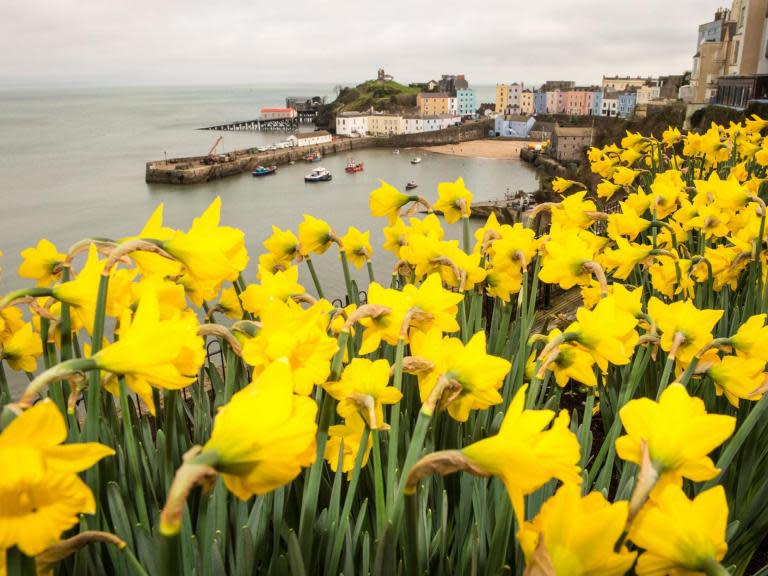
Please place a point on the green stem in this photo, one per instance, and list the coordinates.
(133, 562)
(351, 292)
(18, 563)
(133, 453)
(23, 293)
(5, 393)
(414, 451)
(414, 545)
(465, 230)
(378, 478)
(394, 431)
(369, 266)
(338, 538)
(315, 279)
(93, 412)
(65, 326)
(712, 567)
(665, 376)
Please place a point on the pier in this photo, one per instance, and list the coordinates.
(274, 124)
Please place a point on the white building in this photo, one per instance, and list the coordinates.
(352, 124)
(431, 123)
(515, 90)
(448, 120)
(310, 138)
(610, 107)
(647, 93)
(413, 124)
(453, 106)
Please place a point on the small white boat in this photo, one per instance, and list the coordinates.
(396, 151)
(318, 175)
(411, 185)
(416, 160)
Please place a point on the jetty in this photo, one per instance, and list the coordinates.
(283, 124)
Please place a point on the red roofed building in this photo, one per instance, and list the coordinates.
(274, 113)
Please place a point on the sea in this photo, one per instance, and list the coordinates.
(72, 166)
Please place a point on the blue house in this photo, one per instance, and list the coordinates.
(597, 102)
(540, 102)
(513, 126)
(626, 103)
(466, 105)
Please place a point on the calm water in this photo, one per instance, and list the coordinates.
(72, 165)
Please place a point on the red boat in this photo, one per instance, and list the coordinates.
(353, 167)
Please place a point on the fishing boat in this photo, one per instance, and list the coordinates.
(314, 156)
(396, 151)
(353, 166)
(411, 185)
(264, 170)
(318, 175)
(416, 160)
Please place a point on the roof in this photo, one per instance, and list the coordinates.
(352, 114)
(517, 118)
(540, 126)
(303, 135)
(277, 110)
(572, 131)
(435, 95)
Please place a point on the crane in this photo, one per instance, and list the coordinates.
(215, 145)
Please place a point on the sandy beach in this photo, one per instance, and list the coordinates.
(493, 149)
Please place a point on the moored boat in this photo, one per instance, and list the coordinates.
(411, 185)
(264, 170)
(416, 160)
(318, 175)
(353, 166)
(314, 156)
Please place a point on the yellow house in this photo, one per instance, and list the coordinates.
(434, 103)
(385, 124)
(502, 98)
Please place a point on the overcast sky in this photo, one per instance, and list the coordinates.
(268, 41)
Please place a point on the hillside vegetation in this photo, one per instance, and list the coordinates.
(389, 96)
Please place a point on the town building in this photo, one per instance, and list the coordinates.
(626, 102)
(710, 57)
(413, 124)
(737, 91)
(552, 101)
(448, 120)
(609, 105)
(648, 93)
(516, 126)
(432, 85)
(540, 102)
(527, 107)
(452, 83)
(433, 103)
(352, 124)
(453, 105)
(431, 123)
(749, 50)
(552, 85)
(541, 131)
(568, 144)
(310, 138)
(277, 113)
(385, 124)
(508, 98)
(620, 83)
(597, 102)
(466, 104)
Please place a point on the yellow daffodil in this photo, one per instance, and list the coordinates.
(229, 303)
(357, 246)
(297, 335)
(671, 277)
(435, 305)
(315, 236)
(571, 362)
(525, 455)
(347, 437)
(387, 201)
(386, 326)
(515, 249)
(22, 349)
(606, 189)
(671, 136)
(41, 494)
(624, 258)
(153, 352)
(626, 223)
(210, 253)
(476, 376)
(751, 339)
(277, 287)
(682, 536)
(149, 263)
(578, 534)
(265, 434)
(282, 245)
(678, 432)
(171, 297)
(41, 263)
(683, 325)
(561, 185)
(573, 212)
(624, 176)
(738, 378)
(564, 257)
(454, 200)
(666, 191)
(395, 237)
(363, 388)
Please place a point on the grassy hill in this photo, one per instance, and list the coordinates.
(389, 96)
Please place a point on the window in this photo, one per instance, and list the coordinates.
(736, 52)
